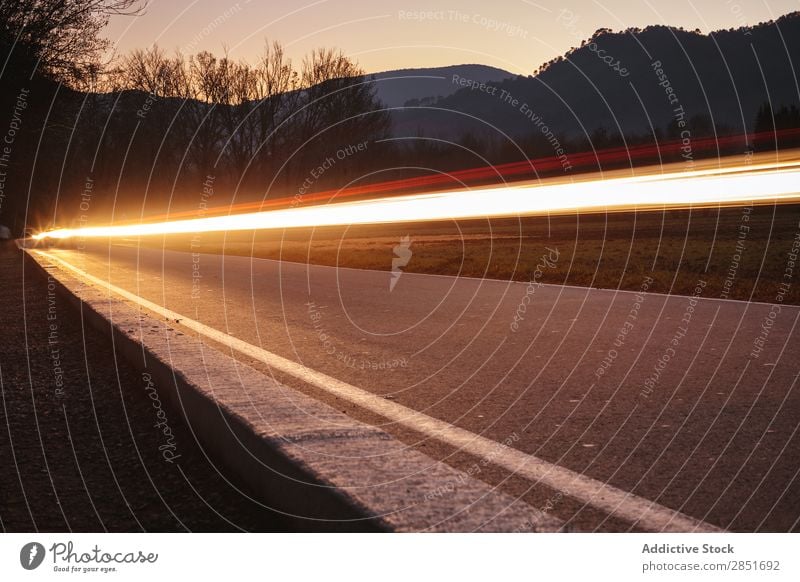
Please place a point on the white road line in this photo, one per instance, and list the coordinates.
(631, 508)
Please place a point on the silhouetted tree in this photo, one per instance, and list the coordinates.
(787, 117)
(57, 38)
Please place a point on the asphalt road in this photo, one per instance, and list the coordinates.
(688, 401)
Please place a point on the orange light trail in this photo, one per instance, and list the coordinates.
(530, 169)
(756, 183)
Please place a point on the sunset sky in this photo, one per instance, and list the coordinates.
(516, 35)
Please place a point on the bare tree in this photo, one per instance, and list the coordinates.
(238, 116)
(60, 38)
(247, 121)
(330, 81)
(152, 71)
(207, 91)
(336, 89)
(339, 106)
(277, 86)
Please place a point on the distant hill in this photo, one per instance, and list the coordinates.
(632, 82)
(144, 153)
(395, 88)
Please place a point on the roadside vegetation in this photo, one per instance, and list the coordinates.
(613, 251)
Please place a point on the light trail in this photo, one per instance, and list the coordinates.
(756, 183)
(532, 168)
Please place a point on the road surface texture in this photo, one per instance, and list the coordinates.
(689, 401)
(80, 449)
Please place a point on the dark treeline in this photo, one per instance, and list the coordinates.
(163, 126)
(153, 131)
(87, 141)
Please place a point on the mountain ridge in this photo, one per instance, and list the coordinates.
(398, 86)
(720, 79)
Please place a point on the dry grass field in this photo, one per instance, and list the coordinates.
(742, 253)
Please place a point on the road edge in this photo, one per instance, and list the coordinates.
(301, 467)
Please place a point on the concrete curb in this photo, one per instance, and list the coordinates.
(300, 456)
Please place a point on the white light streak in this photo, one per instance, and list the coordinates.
(775, 182)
